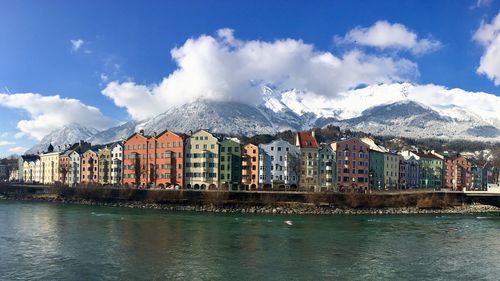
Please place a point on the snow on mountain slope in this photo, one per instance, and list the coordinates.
(218, 117)
(67, 135)
(400, 109)
(113, 134)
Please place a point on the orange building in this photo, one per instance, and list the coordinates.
(138, 162)
(64, 167)
(90, 167)
(169, 159)
(457, 173)
(250, 166)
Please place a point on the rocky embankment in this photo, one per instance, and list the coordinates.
(280, 208)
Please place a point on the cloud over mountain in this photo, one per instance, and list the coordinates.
(385, 35)
(225, 68)
(48, 113)
(488, 35)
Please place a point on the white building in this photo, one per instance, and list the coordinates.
(116, 163)
(74, 175)
(279, 164)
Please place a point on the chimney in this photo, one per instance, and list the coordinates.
(313, 133)
(141, 132)
(154, 134)
(190, 132)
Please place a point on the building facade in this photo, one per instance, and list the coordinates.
(202, 161)
(230, 164)
(309, 161)
(409, 172)
(50, 167)
(327, 168)
(138, 162)
(457, 173)
(169, 159)
(250, 166)
(90, 167)
(352, 164)
(430, 168)
(279, 165)
(391, 170)
(74, 169)
(104, 155)
(116, 163)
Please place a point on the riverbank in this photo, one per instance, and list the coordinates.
(278, 208)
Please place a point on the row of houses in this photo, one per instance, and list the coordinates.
(79, 163)
(202, 160)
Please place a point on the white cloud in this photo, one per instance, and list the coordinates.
(76, 44)
(352, 103)
(223, 67)
(481, 3)
(488, 35)
(5, 143)
(18, 149)
(384, 35)
(48, 113)
(4, 135)
(19, 135)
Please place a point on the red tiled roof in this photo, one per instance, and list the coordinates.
(306, 140)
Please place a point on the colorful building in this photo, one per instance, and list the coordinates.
(104, 155)
(430, 169)
(409, 168)
(457, 173)
(169, 159)
(202, 161)
(50, 166)
(309, 161)
(279, 165)
(391, 170)
(230, 164)
(376, 164)
(352, 164)
(327, 168)
(74, 168)
(31, 169)
(138, 162)
(116, 163)
(250, 166)
(90, 167)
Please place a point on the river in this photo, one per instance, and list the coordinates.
(47, 241)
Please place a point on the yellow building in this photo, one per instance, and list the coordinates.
(202, 161)
(391, 170)
(50, 167)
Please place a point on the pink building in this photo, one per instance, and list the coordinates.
(352, 164)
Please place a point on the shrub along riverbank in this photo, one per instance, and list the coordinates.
(252, 202)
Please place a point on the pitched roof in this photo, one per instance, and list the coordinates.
(427, 155)
(307, 140)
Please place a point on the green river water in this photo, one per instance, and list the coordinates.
(45, 241)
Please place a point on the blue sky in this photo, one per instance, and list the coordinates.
(131, 41)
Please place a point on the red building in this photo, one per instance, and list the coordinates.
(169, 158)
(352, 164)
(138, 160)
(154, 160)
(457, 172)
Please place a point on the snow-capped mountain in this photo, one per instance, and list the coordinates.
(395, 109)
(60, 138)
(218, 117)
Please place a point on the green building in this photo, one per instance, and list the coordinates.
(230, 164)
(327, 168)
(376, 171)
(430, 169)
